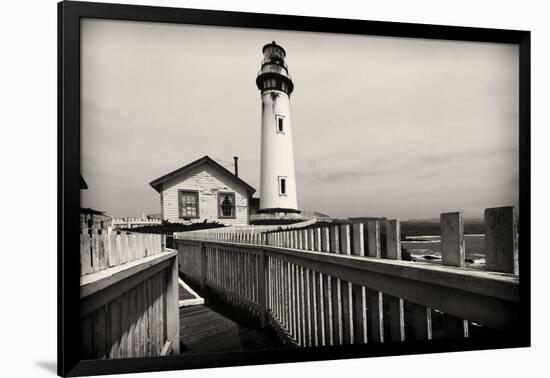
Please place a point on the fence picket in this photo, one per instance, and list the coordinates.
(374, 299)
(395, 306)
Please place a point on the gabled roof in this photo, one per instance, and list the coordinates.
(157, 183)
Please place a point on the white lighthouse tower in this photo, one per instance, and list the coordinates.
(277, 181)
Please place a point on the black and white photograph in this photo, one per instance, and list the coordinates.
(274, 189)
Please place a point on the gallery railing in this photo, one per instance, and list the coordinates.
(345, 284)
(128, 295)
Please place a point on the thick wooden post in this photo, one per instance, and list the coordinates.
(396, 309)
(373, 239)
(393, 239)
(501, 240)
(452, 239)
(453, 254)
(172, 306)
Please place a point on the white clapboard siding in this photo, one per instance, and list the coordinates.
(208, 182)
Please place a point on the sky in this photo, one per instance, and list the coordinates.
(391, 127)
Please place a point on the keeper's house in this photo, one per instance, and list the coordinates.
(204, 191)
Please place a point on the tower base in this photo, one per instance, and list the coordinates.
(278, 217)
(278, 210)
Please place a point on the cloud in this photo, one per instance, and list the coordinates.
(393, 126)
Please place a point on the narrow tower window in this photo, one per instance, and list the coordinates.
(280, 124)
(282, 185)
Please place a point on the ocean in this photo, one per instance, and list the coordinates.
(428, 249)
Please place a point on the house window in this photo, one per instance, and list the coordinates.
(282, 185)
(188, 204)
(280, 121)
(226, 205)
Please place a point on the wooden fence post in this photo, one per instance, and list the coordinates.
(452, 239)
(453, 254)
(501, 240)
(172, 306)
(373, 239)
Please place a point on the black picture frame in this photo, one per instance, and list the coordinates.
(69, 16)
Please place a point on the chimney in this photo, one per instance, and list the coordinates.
(236, 158)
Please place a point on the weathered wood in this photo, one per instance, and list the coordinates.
(95, 282)
(126, 325)
(99, 334)
(455, 327)
(167, 348)
(202, 252)
(375, 316)
(373, 239)
(325, 239)
(431, 286)
(86, 347)
(292, 297)
(358, 239)
(345, 239)
(393, 239)
(85, 254)
(317, 236)
(114, 321)
(359, 303)
(427, 285)
(303, 309)
(421, 322)
(453, 249)
(329, 290)
(172, 300)
(358, 321)
(395, 305)
(320, 320)
(336, 291)
(327, 311)
(263, 293)
(501, 240)
(310, 310)
(346, 290)
(347, 322)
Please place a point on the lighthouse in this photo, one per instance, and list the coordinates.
(277, 179)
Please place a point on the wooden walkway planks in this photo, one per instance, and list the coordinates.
(203, 329)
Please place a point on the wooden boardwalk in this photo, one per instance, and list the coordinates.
(205, 329)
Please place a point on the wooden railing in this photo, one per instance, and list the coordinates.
(134, 222)
(241, 234)
(102, 249)
(346, 284)
(128, 296)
